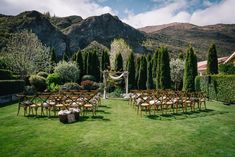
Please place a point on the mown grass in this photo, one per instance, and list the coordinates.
(118, 131)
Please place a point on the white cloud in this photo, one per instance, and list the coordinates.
(84, 8)
(222, 12)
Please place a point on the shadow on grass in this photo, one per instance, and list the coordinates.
(182, 115)
(93, 118)
(8, 103)
(104, 106)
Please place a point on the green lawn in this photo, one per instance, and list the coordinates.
(118, 131)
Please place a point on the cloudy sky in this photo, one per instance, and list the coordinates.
(137, 13)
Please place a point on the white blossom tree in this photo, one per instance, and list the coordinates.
(177, 71)
(27, 55)
(119, 46)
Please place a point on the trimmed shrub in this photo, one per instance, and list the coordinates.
(11, 86)
(54, 78)
(227, 68)
(53, 87)
(38, 82)
(88, 77)
(212, 61)
(70, 86)
(218, 87)
(5, 74)
(43, 74)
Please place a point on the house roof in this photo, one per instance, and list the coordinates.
(229, 58)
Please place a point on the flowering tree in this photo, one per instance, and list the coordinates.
(177, 71)
(119, 46)
(26, 54)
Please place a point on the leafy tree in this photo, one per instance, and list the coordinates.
(69, 71)
(149, 84)
(164, 70)
(26, 54)
(212, 60)
(119, 46)
(177, 71)
(141, 83)
(190, 72)
(131, 69)
(119, 62)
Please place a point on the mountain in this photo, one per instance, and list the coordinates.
(69, 34)
(177, 36)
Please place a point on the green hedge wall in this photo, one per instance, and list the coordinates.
(11, 86)
(220, 87)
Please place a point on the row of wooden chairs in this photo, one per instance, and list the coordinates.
(54, 102)
(166, 100)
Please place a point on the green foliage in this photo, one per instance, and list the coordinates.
(43, 74)
(227, 68)
(119, 62)
(141, 83)
(131, 69)
(154, 63)
(79, 60)
(53, 87)
(116, 93)
(190, 70)
(3, 63)
(85, 56)
(11, 86)
(164, 77)
(26, 54)
(177, 72)
(137, 69)
(38, 82)
(220, 88)
(69, 71)
(212, 60)
(105, 62)
(149, 83)
(158, 64)
(54, 78)
(93, 65)
(70, 86)
(53, 55)
(5, 74)
(88, 77)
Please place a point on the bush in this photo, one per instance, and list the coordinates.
(5, 74)
(11, 86)
(68, 71)
(54, 78)
(53, 87)
(38, 82)
(218, 87)
(43, 74)
(227, 68)
(88, 77)
(116, 93)
(29, 90)
(70, 86)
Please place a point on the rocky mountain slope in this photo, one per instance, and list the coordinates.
(178, 35)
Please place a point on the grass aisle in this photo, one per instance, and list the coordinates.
(118, 131)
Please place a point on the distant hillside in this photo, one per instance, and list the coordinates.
(178, 35)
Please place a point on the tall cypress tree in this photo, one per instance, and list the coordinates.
(158, 69)
(96, 66)
(105, 63)
(149, 83)
(89, 63)
(137, 69)
(85, 55)
(154, 63)
(53, 56)
(131, 69)
(212, 60)
(164, 75)
(119, 62)
(141, 83)
(190, 70)
(79, 60)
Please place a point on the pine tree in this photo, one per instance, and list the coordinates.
(190, 70)
(212, 60)
(164, 68)
(142, 73)
(149, 84)
(131, 69)
(119, 62)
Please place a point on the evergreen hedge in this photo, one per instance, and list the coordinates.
(141, 83)
(11, 86)
(218, 87)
